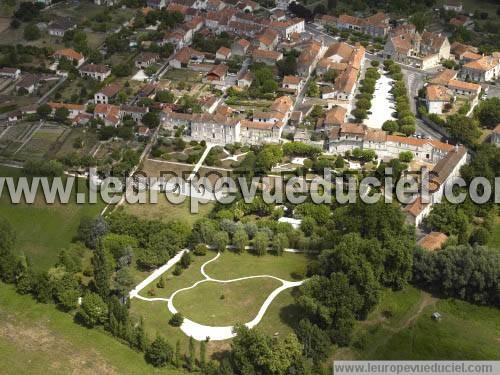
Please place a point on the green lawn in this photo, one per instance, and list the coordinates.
(166, 211)
(401, 328)
(43, 229)
(39, 339)
(231, 265)
(224, 304)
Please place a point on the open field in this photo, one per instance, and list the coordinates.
(166, 211)
(401, 328)
(217, 304)
(43, 230)
(37, 338)
(44, 140)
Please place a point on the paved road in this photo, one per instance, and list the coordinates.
(326, 38)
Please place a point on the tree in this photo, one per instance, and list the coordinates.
(159, 353)
(124, 281)
(406, 156)
(313, 89)
(315, 341)
(161, 283)
(253, 352)
(200, 249)
(8, 261)
(191, 358)
(419, 19)
(91, 230)
(93, 310)
(61, 114)
(31, 32)
(488, 112)
(279, 243)
(102, 271)
(203, 354)
(176, 320)
(151, 120)
(177, 357)
(260, 243)
(164, 96)
(44, 111)
(220, 241)
(185, 260)
(240, 240)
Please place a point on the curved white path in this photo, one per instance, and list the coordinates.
(199, 331)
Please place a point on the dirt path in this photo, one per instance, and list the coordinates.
(427, 300)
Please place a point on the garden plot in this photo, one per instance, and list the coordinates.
(42, 141)
(382, 103)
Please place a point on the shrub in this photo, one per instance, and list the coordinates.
(176, 320)
(200, 249)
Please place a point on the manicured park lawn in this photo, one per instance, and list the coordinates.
(38, 339)
(224, 304)
(231, 265)
(43, 229)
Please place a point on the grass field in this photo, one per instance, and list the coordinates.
(166, 211)
(39, 339)
(401, 328)
(231, 265)
(217, 304)
(42, 229)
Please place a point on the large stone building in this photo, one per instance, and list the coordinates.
(407, 46)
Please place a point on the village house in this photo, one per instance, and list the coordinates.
(214, 5)
(156, 4)
(334, 117)
(292, 84)
(217, 73)
(457, 50)
(240, 47)
(210, 103)
(223, 53)
(443, 172)
(245, 78)
(98, 72)
(485, 69)
(28, 82)
(308, 58)
(376, 25)
(184, 56)
(447, 78)
(461, 20)
(107, 93)
(288, 27)
(266, 57)
(146, 59)
(267, 40)
(278, 15)
(453, 5)
(70, 54)
(436, 97)
(74, 109)
(136, 112)
(13, 73)
(60, 26)
(109, 113)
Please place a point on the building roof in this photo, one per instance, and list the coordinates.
(219, 70)
(69, 106)
(185, 54)
(223, 51)
(335, 116)
(95, 68)
(485, 63)
(291, 80)
(437, 93)
(147, 56)
(309, 54)
(341, 49)
(444, 167)
(27, 80)
(466, 86)
(417, 142)
(443, 77)
(64, 23)
(433, 40)
(260, 125)
(352, 128)
(459, 49)
(69, 53)
(433, 241)
(268, 37)
(110, 90)
(134, 109)
(263, 54)
(243, 43)
(376, 135)
(416, 207)
(7, 70)
(468, 55)
(346, 80)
